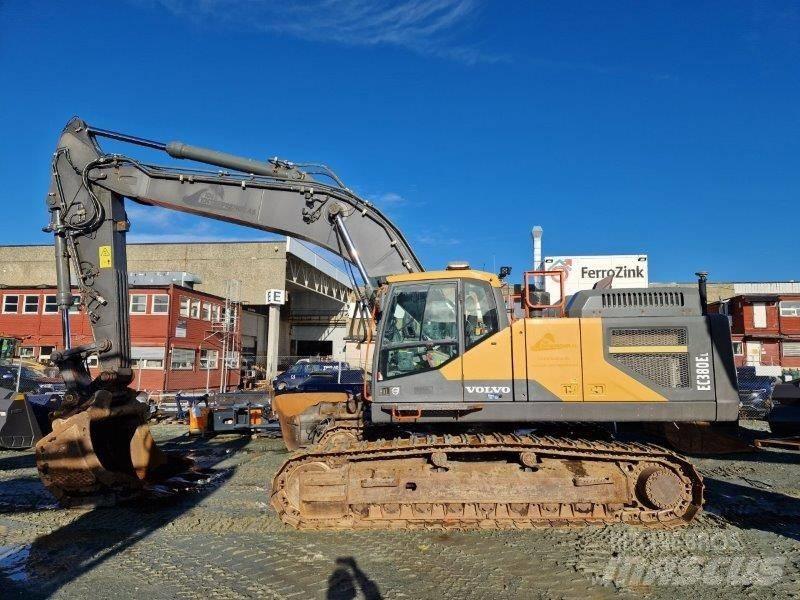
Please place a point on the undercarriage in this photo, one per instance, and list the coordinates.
(484, 480)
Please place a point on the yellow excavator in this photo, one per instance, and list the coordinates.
(469, 418)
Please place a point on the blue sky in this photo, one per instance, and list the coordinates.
(666, 128)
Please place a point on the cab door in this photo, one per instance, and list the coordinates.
(420, 356)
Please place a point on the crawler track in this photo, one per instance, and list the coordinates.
(486, 481)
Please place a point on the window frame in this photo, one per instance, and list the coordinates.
(205, 310)
(25, 355)
(490, 296)
(184, 312)
(147, 364)
(172, 361)
(783, 349)
(206, 352)
(458, 341)
(740, 343)
(153, 310)
(216, 313)
(194, 304)
(130, 304)
(25, 310)
(75, 308)
(5, 302)
(795, 309)
(54, 304)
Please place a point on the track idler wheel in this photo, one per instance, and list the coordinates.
(100, 452)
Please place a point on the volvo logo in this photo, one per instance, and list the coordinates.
(488, 389)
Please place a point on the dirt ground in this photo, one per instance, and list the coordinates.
(223, 541)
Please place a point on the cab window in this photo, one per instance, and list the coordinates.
(480, 313)
(421, 330)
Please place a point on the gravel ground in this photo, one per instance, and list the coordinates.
(223, 541)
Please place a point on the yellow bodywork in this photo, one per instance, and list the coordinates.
(452, 274)
(565, 356)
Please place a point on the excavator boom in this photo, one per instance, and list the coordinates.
(100, 421)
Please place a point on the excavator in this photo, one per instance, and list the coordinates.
(470, 418)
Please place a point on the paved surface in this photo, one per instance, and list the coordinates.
(223, 541)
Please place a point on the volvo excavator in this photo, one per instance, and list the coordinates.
(470, 418)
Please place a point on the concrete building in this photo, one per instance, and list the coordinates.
(312, 321)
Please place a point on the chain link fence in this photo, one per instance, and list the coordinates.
(755, 392)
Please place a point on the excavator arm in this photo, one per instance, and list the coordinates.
(86, 201)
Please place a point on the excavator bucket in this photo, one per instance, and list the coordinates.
(703, 437)
(100, 451)
(19, 427)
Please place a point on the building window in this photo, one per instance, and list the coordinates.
(92, 361)
(45, 352)
(76, 305)
(791, 348)
(50, 305)
(208, 359)
(10, 303)
(206, 311)
(790, 308)
(160, 304)
(147, 363)
(217, 310)
(184, 306)
(138, 304)
(181, 359)
(738, 349)
(27, 352)
(31, 305)
(195, 310)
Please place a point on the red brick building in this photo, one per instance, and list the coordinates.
(177, 334)
(765, 328)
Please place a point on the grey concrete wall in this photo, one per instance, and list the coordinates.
(259, 266)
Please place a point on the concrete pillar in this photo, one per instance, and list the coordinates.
(273, 336)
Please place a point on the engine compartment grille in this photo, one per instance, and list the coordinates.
(667, 370)
(622, 299)
(650, 336)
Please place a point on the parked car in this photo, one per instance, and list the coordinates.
(755, 393)
(300, 371)
(346, 380)
(784, 418)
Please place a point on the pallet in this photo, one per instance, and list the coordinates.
(789, 443)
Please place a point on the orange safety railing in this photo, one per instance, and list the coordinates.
(530, 306)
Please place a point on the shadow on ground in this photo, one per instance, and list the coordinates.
(348, 581)
(749, 507)
(57, 558)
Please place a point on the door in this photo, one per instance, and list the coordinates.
(420, 354)
(753, 353)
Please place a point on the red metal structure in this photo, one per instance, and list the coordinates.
(176, 338)
(765, 328)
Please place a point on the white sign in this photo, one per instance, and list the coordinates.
(276, 297)
(583, 272)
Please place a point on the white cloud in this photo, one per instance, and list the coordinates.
(428, 27)
(388, 199)
(437, 239)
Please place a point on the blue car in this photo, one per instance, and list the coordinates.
(295, 375)
(350, 381)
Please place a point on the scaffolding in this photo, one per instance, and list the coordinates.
(228, 331)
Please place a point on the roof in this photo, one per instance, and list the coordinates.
(452, 274)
